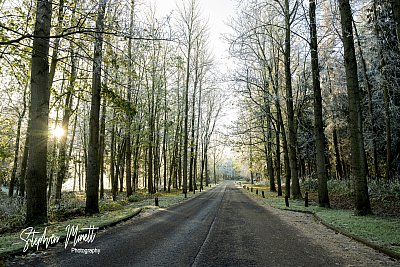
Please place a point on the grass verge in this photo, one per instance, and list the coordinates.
(111, 213)
(381, 233)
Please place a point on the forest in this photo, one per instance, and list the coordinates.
(317, 83)
(106, 98)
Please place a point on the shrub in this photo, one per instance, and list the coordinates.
(12, 212)
(340, 186)
(310, 184)
(134, 198)
(110, 206)
(68, 206)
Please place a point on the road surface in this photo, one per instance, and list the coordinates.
(220, 227)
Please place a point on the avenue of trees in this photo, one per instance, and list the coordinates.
(107, 94)
(104, 92)
(318, 82)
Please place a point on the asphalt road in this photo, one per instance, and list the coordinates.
(221, 227)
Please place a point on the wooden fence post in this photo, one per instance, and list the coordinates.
(287, 201)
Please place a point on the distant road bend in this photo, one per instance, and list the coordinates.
(221, 227)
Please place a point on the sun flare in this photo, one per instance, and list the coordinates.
(58, 132)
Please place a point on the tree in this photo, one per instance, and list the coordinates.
(93, 171)
(396, 14)
(362, 203)
(129, 112)
(17, 141)
(323, 197)
(36, 200)
(289, 99)
(190, 20)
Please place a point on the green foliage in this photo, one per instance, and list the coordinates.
(334, 186)
(385, 190)
(12, 212)
(310, 184)
(71, 205)
(119, 102)
(135, 198)
(339, 186)
(110, 206)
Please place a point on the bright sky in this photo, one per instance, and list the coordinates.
(217, 12)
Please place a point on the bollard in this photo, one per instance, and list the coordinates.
(306, 200)
(263, 194)
(256, 191)
(156, 202)
(287, 201)
(251, 189)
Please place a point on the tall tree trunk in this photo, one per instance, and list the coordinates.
(164, 146)
(56, 45)
(196, 152)
(250, 160)
(185, 124)
(215, 167)
(339, 169)
(386, 98)
(62, 159)
(93, 170)
(279, 126)
(206, 166)
(102, 145)
(286, 160)
(53, 157)
(136, 159)
(128, 162)
(24, 163)
(278, 156)
(36, 201)
(268, 148)
(370, 103)
(151, 147)
(120, 164)
(396, 15)
(128, 155)
(362, 203)
(192, 139)
(323, 197)
(296, 194)
(113, 179)
(16, 148)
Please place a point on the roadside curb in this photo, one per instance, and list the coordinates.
(364, 241)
